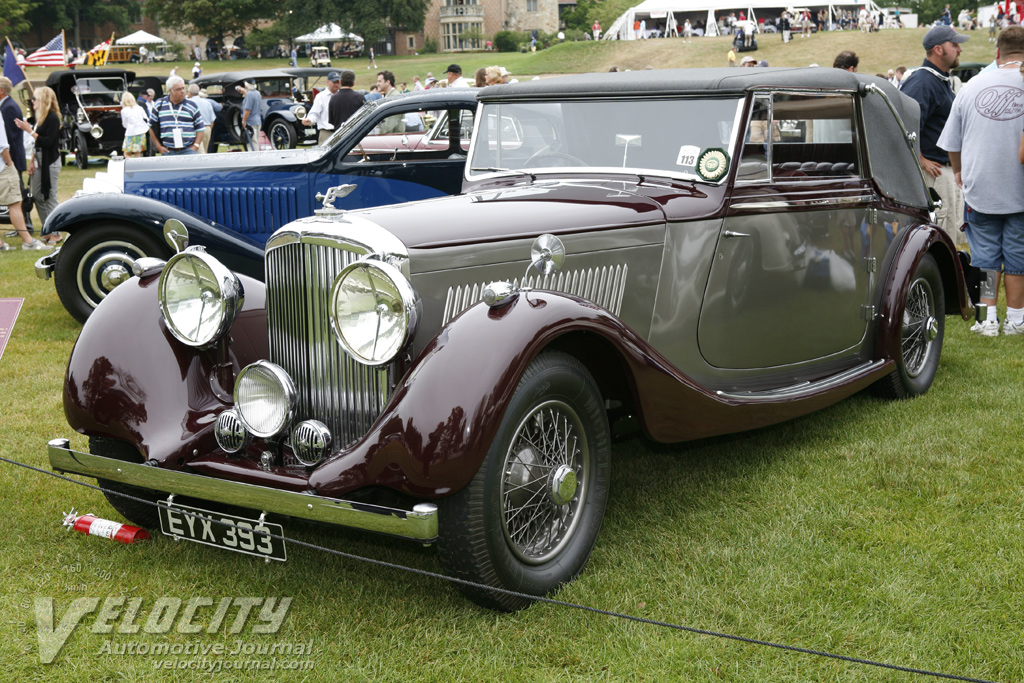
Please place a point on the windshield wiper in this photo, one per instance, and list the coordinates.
(495, 169)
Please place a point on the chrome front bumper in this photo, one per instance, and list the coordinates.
(419, 524)
(46, 264)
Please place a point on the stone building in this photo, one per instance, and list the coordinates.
(452, 24)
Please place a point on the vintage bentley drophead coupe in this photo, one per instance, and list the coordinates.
(679, 253)
(231, 203)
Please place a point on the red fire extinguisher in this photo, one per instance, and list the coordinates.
(94, 526)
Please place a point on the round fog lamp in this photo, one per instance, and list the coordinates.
(265, 398)
(374, 311)
(199, 298)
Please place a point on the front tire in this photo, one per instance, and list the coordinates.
(282, 135)
(82, 152)
(94, 262)
(530, 517)
(921, 333)
(135, 511)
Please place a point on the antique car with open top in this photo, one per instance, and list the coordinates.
(91, 110)
(231, 203)
(680, 253)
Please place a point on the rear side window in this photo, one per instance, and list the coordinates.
(811, 137)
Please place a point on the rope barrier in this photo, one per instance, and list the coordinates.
(531, 598)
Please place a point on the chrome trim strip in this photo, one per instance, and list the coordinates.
(604, 286)
(802, 203)
(419, 524)
(805, 389)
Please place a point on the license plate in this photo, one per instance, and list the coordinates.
(203, 526)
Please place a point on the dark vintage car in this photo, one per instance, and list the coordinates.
(406, 370)
(231, 203)
(90, 101)
(282, 114)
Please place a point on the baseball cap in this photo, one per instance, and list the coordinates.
(453, 69)
(941, 34)
(334, 76)
(747, 60)
(198, 64)
(503, 71)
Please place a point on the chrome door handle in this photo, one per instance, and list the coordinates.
(730, 233)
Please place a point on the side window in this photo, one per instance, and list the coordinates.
(418, 134)
(813, 136)
(755, 158)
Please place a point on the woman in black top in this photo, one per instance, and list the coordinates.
(44, 165)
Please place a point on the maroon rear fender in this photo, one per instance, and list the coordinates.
(906, 254)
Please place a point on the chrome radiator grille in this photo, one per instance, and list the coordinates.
(332, 387)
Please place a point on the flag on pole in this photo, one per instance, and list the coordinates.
(11, 68)
(98, 55)
(51, 54)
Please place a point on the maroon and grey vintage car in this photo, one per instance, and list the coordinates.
(681, 253)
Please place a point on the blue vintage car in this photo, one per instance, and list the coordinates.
(231, 203)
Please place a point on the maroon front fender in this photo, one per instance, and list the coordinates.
(442, 419)
(129, 379)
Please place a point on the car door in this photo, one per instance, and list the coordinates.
(388, 165)
(792, 274)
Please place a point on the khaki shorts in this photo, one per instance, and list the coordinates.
(10, 188)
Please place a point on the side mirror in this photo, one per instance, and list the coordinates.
(547, 254)
(176, 235)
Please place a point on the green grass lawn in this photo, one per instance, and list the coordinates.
(878, 53)
(882, 530)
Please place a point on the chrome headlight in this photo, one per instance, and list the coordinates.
(300, 112)
(96, 132)
(265, 398)
(199, 297)
(374, 311)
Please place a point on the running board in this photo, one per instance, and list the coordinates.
(807, 389)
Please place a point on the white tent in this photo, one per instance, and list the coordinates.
(664, 12)
(140, 38)
(330, 33)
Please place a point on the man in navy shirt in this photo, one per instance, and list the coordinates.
(932, 87)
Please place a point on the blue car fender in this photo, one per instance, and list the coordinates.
(92, 212)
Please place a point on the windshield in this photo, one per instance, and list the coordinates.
(99, 92)
(659, 136)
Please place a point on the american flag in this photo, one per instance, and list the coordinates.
(51, 54)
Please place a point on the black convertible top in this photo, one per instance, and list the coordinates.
(239, 76)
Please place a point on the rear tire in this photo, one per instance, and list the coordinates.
(135, 511)
(921, 333)
(530, 517)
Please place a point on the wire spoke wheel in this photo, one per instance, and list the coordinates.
(544, 485)
(919, 334)
(920, 326)
(531, 515)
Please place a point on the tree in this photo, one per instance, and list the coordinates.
(367, 18)
(68, 15)
(14, 16)
(214, 17)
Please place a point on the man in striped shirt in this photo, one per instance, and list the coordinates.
(176, 126)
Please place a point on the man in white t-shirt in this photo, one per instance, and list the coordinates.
(982, 131)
